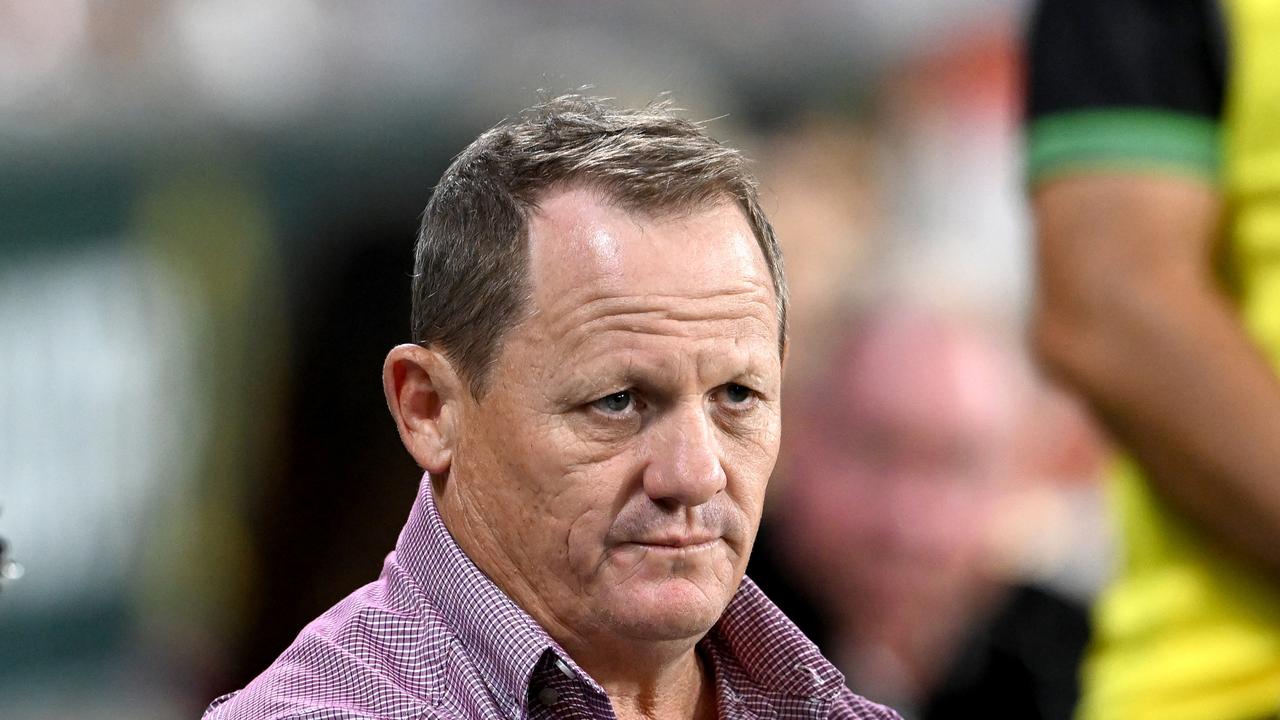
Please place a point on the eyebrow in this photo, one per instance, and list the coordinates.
(742, 365)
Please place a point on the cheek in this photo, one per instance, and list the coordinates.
(533, 451)
(583, 490)
(522, 468)
(751, 455)
(748, 465)
(746, 488)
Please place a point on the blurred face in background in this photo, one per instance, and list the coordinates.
(897, 464)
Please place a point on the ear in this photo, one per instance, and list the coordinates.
(424, 395)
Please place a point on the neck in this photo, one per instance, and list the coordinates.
(679, 687)
(644, 679)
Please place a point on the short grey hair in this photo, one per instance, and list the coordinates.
(470, 282)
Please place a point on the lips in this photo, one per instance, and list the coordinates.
(678, 542)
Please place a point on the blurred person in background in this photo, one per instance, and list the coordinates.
(884, 540)
(600, 313)
(1153, 155)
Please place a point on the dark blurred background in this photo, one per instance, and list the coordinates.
(207, 212)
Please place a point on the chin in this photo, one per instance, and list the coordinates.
(667, 608)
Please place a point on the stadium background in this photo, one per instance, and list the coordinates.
(206, 216)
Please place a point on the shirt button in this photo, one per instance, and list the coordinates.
(548, 696)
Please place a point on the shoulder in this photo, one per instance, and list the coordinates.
(851, 706)
(328, 713)
(367, 657)
(224, 709)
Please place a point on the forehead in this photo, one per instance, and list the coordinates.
(585, 249)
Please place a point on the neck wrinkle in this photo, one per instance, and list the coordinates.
(684, 690)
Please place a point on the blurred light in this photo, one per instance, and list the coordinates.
(97, 424)
(37, 42)
(255, 61)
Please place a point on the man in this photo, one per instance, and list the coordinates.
(600, 313)
(911, 448)
(1153, 149)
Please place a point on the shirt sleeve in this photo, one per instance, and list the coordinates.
(1128, 84)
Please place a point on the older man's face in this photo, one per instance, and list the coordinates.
(620, 456)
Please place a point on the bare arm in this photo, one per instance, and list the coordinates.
(1130, 316)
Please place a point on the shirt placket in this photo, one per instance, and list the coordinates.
(557, 692)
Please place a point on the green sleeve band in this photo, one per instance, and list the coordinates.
(1123, 139)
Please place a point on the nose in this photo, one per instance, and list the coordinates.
(684, 467)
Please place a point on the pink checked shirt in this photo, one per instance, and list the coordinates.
(435, 639)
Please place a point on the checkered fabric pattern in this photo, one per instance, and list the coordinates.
(435, 639)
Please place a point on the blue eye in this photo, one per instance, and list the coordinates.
(737, 394)
(618, 402)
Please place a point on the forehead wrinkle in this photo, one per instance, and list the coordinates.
(677, 315)
(742, 359)
(624, 330)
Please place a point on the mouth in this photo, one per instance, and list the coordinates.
(677, 544)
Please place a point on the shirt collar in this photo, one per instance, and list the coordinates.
(756, 649)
